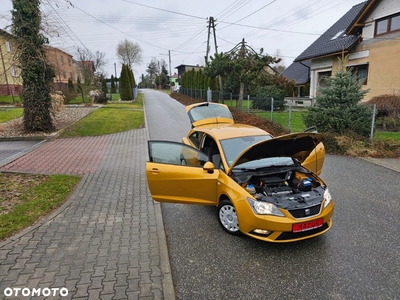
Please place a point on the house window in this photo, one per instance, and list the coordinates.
(8, 46)
(322, 76)
(64, 75)
(387, 25)
(360, 73)
(14, 71)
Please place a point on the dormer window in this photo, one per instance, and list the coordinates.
(387, 25)
(338, 35)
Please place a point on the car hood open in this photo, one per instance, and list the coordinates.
(207, 113)
(296, 145)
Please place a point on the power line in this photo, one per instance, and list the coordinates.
(166, 10)
(120, 30)
(251, 13)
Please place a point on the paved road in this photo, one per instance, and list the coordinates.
(11, 150)
(357, 259)
(107, 241)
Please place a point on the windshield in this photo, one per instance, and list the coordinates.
(266, 163)
(209, 111)
(233, 147)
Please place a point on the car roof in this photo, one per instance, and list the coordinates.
(206, 113)
(226, 131)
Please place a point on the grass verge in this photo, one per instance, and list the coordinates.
(8, 114)
(111, 118)
(26, 198)
(9, 100)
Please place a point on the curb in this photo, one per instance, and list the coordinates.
(10, 159)
(381, 162)
(167, 281)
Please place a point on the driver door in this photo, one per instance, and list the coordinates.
(175, 174)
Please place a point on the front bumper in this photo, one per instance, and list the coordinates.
(280, 229)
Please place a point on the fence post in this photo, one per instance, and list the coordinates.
(272, 109)
(290, 116)
(373, 123)
(209, 95)
(248, 104)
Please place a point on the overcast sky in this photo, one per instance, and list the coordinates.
(287, 27)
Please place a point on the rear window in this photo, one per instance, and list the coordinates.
(208, 111)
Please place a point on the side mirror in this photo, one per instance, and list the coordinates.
(209, 167)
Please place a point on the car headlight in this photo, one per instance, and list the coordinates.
(327, 198)
(264, 208)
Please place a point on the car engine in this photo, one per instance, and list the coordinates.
(290, 189)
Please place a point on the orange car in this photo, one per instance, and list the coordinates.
(265, 187)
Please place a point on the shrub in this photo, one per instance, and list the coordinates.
(388, 107)
(264, 95)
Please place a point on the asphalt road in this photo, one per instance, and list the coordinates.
(359, 258)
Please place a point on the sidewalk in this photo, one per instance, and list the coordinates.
(106, 242)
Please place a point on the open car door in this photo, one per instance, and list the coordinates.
(181, 174)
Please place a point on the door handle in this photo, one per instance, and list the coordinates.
(155, 171)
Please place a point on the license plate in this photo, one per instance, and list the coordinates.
(300, 227)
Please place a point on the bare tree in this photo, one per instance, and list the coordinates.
(129, 53)
(89, 66)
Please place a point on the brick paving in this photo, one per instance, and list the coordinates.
(108, 240)
(13, 148)
(74, 156)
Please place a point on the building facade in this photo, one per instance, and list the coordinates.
(10, 79)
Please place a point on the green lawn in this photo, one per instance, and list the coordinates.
(111, 118)
(282, 118)
(8, 114)
(22, 202)
(10, 100)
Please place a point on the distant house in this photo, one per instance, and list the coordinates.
(173, 79)
(84, 69)
(10, 79)
(369, 33)
(183, 68)
(63, 65)
(300, 73)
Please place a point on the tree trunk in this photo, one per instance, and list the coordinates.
(37, 75)
(241, 92)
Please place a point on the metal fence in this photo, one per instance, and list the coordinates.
(292, 104)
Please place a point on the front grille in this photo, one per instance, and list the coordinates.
(295, 235)
(301, 213)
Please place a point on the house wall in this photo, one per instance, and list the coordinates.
(318, 66)
(383, 66)
(381, 54)
(10, 79)
(63, 66)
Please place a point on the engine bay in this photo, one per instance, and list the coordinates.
(288, 189)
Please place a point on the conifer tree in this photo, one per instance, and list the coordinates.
(125, 89)
(104, 85)
(338, 106)
(37, 74)
(113, 89)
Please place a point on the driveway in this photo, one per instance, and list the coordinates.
(357, 259)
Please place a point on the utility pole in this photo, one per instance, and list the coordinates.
(116, 81)
(169, 54)
(211, 24)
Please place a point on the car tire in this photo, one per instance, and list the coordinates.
(227, 217)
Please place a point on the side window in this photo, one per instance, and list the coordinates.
(195, 138)
(175, 154)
